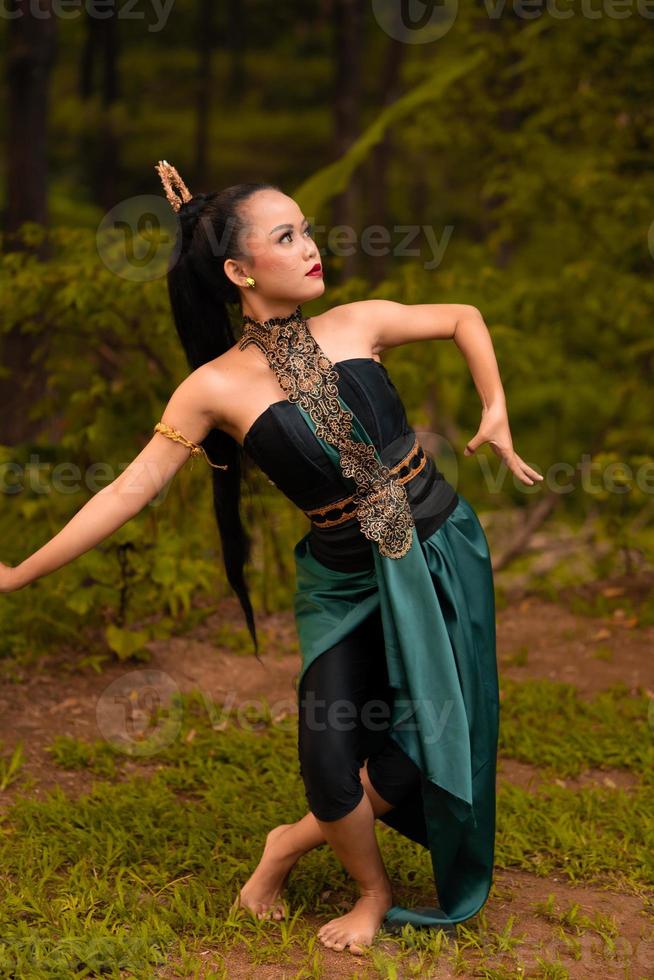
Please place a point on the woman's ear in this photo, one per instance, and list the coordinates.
(231, 271)
(234, 272)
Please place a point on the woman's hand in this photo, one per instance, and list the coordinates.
(9, 580)
(494, 429)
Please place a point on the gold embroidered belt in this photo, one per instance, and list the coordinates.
(408, 467)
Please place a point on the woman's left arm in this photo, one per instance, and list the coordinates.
(474, 341)
(390, 324)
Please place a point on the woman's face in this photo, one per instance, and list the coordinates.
(280, 250)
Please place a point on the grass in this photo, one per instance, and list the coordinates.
(72, 753)
(10, 766)
(548, 724)
(142, 871)
(598, 836)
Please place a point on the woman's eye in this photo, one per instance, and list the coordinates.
(307, 230)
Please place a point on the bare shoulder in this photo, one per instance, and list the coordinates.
(191, 408)
(212, 384)
(358, 323)
(361, 309)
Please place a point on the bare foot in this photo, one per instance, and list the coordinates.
(357, 929)
(262, 890)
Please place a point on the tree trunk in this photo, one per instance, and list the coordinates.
(235, 39)
(31, 51)
(205, 44)
(348, 41)
(100, 144)
(381, 155)
(30, 57)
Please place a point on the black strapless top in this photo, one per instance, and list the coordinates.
(283, 446)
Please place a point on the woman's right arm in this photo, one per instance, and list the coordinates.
(190, 410)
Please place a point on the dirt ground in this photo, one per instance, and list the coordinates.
(37, 703)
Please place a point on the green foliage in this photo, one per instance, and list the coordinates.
(10, 766)
(73, 753)
(594, 834)
(549, 724)
(525, 146)
(167, 848)
(314, 193)
(522, 144)
(112, 360)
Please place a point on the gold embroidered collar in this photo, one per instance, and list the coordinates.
(307, 376)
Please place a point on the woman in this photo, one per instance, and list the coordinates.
(394, 602)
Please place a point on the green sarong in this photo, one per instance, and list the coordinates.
(437, 606)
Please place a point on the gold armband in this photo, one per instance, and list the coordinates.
(167, 430)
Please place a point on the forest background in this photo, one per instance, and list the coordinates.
(498, 155)
(493, 153)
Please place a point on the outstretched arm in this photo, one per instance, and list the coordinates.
(390, 324)
(190, 412)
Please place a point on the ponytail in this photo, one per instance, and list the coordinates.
(199, 291)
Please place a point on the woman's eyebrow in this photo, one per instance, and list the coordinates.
(286, 226)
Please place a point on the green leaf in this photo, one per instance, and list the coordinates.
(313, 193)
(126, 643)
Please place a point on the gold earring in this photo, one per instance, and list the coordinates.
(249, 280)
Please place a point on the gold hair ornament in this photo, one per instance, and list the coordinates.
(170, 179)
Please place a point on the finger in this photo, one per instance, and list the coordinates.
(529, 469)
(526, 478)
(513, 462)
(532, 472)
(473, 444)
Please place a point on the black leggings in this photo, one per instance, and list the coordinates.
(344, 715)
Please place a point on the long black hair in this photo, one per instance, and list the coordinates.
(200, 292)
